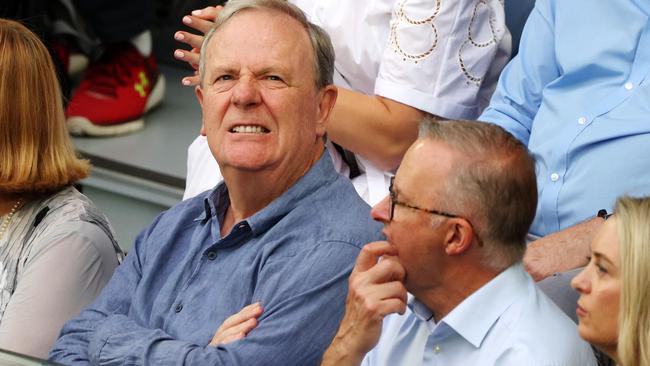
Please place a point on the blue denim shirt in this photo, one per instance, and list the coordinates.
(182, 280)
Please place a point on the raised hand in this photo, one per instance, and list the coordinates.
(201, 20)
(376, 289)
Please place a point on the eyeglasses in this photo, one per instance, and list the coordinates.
(393, 201)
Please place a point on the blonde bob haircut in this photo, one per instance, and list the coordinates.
(36, 154)
(633, 221)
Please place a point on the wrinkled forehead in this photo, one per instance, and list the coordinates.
(270, 26)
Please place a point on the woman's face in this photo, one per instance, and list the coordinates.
(599, 285)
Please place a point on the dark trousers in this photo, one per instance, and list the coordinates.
(109, 20)
(117, 20)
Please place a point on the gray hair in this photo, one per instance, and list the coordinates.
(319, 39)
(495, 185)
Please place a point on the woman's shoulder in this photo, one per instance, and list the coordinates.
(70, 213)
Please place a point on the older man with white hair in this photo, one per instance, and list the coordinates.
(281, 233)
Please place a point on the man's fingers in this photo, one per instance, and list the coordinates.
(247, 313)
(197, 23)
(391, 306)
(237, 332)
(370, 253)
(385, 291)
(193, 40)
(388, 269)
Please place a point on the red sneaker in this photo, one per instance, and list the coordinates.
(115, 93)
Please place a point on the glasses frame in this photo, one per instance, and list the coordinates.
(392, 196)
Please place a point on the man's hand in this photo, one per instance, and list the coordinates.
(237, 326)
(561, 251)
(375, 290)
(201, 20)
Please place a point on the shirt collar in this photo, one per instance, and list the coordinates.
(475, 316)
(320, 175)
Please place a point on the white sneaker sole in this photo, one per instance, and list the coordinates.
(81, 126)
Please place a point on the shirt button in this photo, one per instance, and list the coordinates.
(212, 255)
(178, 308)
(436, 349)
(582, 120)
(555, 177)
(628, 86)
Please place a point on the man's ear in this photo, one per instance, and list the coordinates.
(326, 100)
(459, 238)
(199, 96)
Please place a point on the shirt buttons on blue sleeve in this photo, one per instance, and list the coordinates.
(555, 177)
(212, 255)
(178, 308)
(582, 120)
(628, 86)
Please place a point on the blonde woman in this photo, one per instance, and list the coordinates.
(614, 305)
(56, 249)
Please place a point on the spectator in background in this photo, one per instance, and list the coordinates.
(579, 98)
(56, 249)
(281, 232)
(614, 287)
(122, 81)
(395, 62)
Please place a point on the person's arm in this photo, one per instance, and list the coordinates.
(296, 293)
(375, 290)
(561, 251)
(519, 92)
(66, 270)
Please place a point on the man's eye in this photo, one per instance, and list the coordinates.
(274, 78)
(223, 78)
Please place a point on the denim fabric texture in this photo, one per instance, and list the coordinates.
(182, 280)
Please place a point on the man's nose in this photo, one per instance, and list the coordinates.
(380, 212)
(245, 94)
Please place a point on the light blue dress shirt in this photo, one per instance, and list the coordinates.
(508, 321)
(183, 279)
(578, 94)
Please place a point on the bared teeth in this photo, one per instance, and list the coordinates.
(249, 129)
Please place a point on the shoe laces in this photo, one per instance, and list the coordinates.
(114, 69)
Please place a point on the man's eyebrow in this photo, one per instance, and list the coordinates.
(273, 69)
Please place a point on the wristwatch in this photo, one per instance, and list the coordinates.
(603, 213)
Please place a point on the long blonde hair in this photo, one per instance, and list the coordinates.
(633, 216)
(36, 154)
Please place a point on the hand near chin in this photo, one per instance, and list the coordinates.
(237, 326)
(201, 20)
(376, 289)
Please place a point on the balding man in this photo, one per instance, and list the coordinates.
(280, 234)
(456, 220)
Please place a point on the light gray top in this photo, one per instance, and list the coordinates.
(56, 256)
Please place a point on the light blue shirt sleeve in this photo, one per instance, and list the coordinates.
(518, 95)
